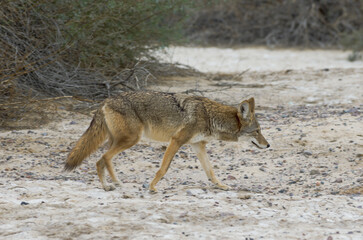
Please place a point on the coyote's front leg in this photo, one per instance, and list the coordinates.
(201, 152)
(168, 156)
(175, 143)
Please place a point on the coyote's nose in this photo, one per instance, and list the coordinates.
(268, 145)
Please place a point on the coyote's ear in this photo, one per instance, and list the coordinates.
(252, 104)
(245, 109)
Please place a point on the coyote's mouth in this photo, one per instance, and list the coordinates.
(256, 145)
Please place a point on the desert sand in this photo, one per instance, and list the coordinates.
(308, 185)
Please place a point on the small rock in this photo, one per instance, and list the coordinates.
(292, 182)
(317, 183)
(24, 203)
(360, 180)
(72, 123)
(278, 129)
(145, 185)
(226, 214)
(330, 238)
(307, 153)
(244, 197)
(194, 192)
(230, 177)
(44, 134)
(282, 190)
(183, 154)
(338, 180)
(314, 172)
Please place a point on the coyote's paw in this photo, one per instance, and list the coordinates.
(223, 187)
(109, 188)
(117, 184)
(153, 189)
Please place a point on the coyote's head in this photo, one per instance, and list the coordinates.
(250, 129)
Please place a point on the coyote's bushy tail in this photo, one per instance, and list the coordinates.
(88, 143)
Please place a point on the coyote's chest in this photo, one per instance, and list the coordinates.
(201, 137)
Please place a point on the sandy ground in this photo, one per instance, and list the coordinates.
(308, 185)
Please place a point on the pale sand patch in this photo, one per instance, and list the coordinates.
(294, 190)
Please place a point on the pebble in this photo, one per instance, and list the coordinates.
(338, 180)
(314, 172)
(230, 177)
(183, 154)
(24, 203)
(292, 182)
(307, 153)
(194, 192)
(282, 190)
(244, 197)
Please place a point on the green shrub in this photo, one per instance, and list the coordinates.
(112, 34)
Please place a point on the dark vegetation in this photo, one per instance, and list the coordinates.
(284, 23)
(88, 50)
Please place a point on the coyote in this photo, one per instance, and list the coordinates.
(168, 117)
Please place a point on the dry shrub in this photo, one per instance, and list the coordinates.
(308, 23)
(83, 49)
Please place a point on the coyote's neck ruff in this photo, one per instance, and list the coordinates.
(170, 117)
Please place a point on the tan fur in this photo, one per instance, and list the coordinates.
(88, 143)
(174, 118)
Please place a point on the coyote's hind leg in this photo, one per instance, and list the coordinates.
(123, 134)
(106, 161)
